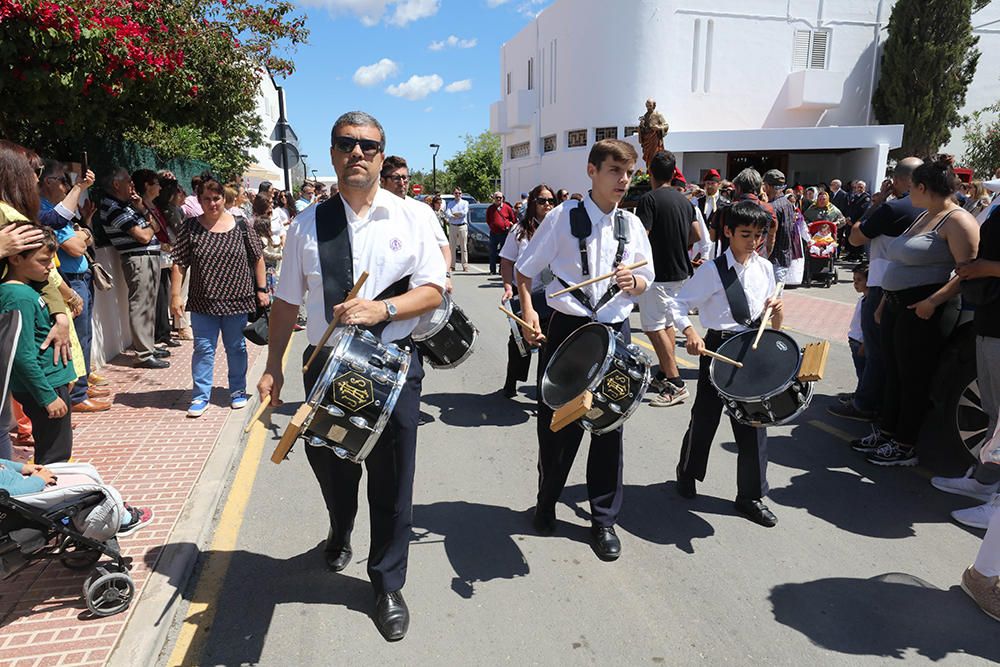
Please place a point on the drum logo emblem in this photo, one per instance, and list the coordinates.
(615, 385)
(353, 391)
(780, 344)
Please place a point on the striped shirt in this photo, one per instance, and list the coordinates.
(117, 218)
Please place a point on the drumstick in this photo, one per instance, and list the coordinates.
(523, 323)
(599, 278)
(716, 355)
(256, 415)
(767, 315)
(336, 320)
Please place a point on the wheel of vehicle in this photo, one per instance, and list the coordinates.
(110, 594)
(964, 407)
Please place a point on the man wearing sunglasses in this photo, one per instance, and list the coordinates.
(396, 179)
(363, 228)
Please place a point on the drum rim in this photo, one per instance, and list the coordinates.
(788, 383)
(449, 306)
(515, 328)
(609, 355)
(388, 407)
(472, 345)
(643, 386)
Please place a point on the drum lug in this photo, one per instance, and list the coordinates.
(615, 408)
(377, 361)
(357, 366)
(333, 410)
(599, 397)
(359, 422)
(620, 365)
(633, 348)
(635, 374)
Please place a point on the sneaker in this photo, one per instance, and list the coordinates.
(891, 454)
(659, 383)
(985, 591)
(870, 442)
(238, 400)
(844, 399)
(672, 395)
(298, 327)
(141, 516)
(978, 516)
(197, 408)
(848, 411)
(966, 486)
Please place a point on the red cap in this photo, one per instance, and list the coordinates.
(712, 175)
(678, 176)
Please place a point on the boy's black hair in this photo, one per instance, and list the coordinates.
(861, 268)
(746, 213)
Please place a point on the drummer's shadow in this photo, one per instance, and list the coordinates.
(472, 410)
(656, 513)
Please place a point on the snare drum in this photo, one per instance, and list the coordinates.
(355, 394)
(766, 391)
(445, 336)
(596, 359)
(514, 306)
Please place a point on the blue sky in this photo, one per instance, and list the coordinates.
(427, 69)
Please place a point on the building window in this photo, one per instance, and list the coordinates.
(576, 138)
(631, 129)
(605, 133)
(508, 83)
(531, 73)
(520, 150)
(811, 49)
(549, 143)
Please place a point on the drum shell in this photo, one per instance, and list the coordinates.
(775, 410)
(514, 306)
(361, 380)
(445, 339)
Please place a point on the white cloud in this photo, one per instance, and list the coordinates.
(417, 87)
(496, 3)
(453, 42)
(428, 109)
(372, 12)
(528, 8)
(372, 75)
(458, 86)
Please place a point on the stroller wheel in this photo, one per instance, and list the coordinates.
(109, 593)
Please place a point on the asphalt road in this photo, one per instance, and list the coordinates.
(862, 568)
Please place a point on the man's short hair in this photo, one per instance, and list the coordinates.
(662, 165)
(616, 149)
(748, 181)
(746, 213)
(357, 119)
(391, 164)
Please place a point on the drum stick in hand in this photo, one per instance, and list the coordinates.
(523, 323)
(767, 315)
(599, 278)
(336, 320)
(256, 415)
(715, 355)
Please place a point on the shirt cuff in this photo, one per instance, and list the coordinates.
(64, 212)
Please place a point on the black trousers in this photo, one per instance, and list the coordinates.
(53, 437)
(557, 451)
(390, 465)
(751, 443)
(162, 327)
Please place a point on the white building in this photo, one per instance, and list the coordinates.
(764, 83)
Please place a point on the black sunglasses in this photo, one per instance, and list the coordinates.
(547, 200)
(368, 146)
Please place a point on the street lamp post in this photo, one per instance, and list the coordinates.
(305, 168)
(434, 168)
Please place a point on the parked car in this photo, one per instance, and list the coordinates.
(479, 233)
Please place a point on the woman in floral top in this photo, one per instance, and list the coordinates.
(227, 283)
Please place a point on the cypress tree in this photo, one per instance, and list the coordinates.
(928, 62)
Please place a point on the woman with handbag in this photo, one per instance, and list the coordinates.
(228, 282)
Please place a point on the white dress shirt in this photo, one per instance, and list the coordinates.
(704, 246)
(455, 207)
(442, 240)
(555, 247)
(705, 292)
(394, 239)
(513, 247)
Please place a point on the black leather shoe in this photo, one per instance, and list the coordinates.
(153, 362)
(161, 353)
(686, 486)
(338, 551)
(605, 542)
(392, 618)
(544, 521)
(756, 511)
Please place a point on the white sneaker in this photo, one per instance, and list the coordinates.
(978, 517)
(965, 486)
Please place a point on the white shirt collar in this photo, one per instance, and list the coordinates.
(733, 264)
(595, 212)
(379, 210)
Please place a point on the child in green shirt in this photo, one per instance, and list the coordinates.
(40, 385)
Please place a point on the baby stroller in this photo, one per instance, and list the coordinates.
(822, 251)
(75, 525)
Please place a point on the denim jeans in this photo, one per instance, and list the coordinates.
(83, 284)
(868, 396)
(206, 330)
(496, 242)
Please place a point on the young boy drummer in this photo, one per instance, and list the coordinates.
(596, 239)
(731, 294)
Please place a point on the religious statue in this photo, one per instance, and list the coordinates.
(652, 128)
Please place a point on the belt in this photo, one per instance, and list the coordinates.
(457, 224)
(726, 335)
(141, 253)
(77, 276)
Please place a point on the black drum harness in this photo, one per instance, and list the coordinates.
(581, 227)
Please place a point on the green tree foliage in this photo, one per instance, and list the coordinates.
(929, 60)
(982, 142)
(178, 76)
(445, 181)
(476, 169)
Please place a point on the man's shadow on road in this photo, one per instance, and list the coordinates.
(885, 616)
(472, 410)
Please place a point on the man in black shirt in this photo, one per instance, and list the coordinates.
(670, 220)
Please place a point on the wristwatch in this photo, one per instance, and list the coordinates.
(262, 290)
(390, 311)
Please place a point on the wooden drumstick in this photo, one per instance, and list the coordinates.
(336, 320)
(256, 415)
(598, 279)
(514, 317)
(716, 355)
(767, 315)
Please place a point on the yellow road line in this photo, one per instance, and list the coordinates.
(197, 626)
(832, 430)
(680, 360)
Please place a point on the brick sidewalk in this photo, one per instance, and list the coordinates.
(819, 317)
(153, 454)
